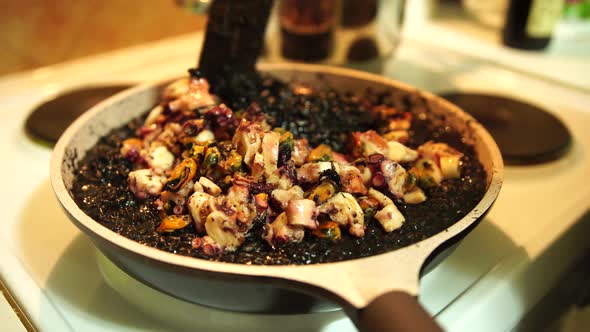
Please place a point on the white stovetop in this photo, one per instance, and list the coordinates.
(496, 274)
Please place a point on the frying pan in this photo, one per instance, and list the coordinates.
(377, 292)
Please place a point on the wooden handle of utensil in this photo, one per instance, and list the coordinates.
(395, 311)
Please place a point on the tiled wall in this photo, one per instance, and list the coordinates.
(36, 33)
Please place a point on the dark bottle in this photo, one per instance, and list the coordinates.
(529, 23)
(307, 29)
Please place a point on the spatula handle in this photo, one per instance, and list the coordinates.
(395, 311)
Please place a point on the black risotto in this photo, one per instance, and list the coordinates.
(101, 190)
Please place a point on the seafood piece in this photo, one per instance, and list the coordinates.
(396, 151)
(300, 151)
(310, 172)
(257, 166)
(395, 176)
(343, 209)
(281, 197)
(321, 152)
(416, 196)
(168, 137)
(205, 135)
(209, 246)
(173, 201)
(446, 157)
(328, 230)
(144, 182)
(351, 179)
(427, 172)
(189, 94)
(222, 228)
(239, 200)
(390, 218)
(323, 191)
(380, 197)
(200, 205)
(302, 212)
(369, 143)
(247, 140)
(209, 186)
(270, 152)
(159, 158)
(172, 223)
(181, 175)
(279, 232)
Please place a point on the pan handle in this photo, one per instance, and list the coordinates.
(395, 311)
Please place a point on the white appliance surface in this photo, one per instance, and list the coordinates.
(536, 229)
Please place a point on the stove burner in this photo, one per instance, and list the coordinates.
(525, 134)
(50, 119)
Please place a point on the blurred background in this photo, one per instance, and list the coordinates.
(36, 33)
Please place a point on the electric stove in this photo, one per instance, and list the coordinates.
(535, 231)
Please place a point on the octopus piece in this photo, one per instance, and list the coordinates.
(279, 232)
(414, 196)
(446, 157)
(281, 197)
(221, 226)
(390, 218)
(204, 136)
(368, 143)
(209, 246)
(302, 212)
(257, 166)
(239, 199)
(343, 209)
(380, 197)
(144, 182)
(300, 151)
(159, 158)
(396, 151)
(247, 140)
(310, 172)
(200, 205)
(188, 97)
(428, 172)
(351, 179)
(283, 177)
(270, 152)
(209, 186)
(169, 135)
(176, 198)
(395, 176)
